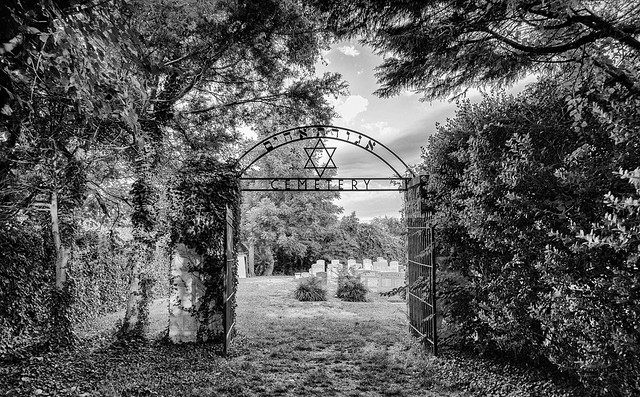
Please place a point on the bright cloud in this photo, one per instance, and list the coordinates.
(350, 107)
(349, 50)
(379, 129)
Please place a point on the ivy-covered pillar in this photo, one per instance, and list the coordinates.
(199, 197)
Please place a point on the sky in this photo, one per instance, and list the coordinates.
(402, 123)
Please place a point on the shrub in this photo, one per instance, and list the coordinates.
(350, 288)
(311, 290)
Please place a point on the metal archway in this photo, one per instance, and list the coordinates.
(421, 265)
(321, 132)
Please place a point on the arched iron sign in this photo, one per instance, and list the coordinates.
(320, 133)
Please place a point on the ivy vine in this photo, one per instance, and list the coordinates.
(199, 198)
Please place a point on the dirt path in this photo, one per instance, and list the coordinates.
(332, 348)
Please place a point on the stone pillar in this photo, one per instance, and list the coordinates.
(186, 296)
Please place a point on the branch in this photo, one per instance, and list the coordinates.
(590, 38)
(262, 99)
(594, 22)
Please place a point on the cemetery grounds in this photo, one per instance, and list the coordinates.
(283, 348)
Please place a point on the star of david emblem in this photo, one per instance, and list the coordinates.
(311, 160)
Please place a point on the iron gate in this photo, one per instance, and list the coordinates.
(229, 283)
(421, 269)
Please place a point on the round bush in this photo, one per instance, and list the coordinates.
(351, 289)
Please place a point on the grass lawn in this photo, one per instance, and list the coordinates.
(283, 348)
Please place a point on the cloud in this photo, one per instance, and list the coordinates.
(349, 50)
(350, 107)
(379, 129)
(370, 204)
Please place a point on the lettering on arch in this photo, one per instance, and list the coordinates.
(271, 143)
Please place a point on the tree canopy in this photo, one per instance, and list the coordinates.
(439, 48)
(102, 102)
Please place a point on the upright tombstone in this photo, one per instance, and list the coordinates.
(335, 261)
(317, 267)
(351, 263)
(187, 293)
(381, 266)
(394, 266)
(367, 264)
(242, 266)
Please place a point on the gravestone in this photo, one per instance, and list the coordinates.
(370, 278)
(390, 280)
(242, 266)
(367, 264)
(351, 263)
(335, 261)
(381, 266)
(394, 266)
(317, 267)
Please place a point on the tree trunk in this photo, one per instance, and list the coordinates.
(268, 254)
(62, 254)
(252, 260)
(143, 221)
(131, 313)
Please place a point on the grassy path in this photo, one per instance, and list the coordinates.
(287, 347)
(283, 348)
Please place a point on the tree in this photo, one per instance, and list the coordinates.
(353, 239)
(515, 187)
(211, 67)
(289, 226)
(443, 48)
(134, 88)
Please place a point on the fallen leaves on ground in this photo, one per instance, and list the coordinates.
(283, 348)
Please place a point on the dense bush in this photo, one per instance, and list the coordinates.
(541, 233)
(100, 270)
(310, 289)
(26, 280)
(351, 288)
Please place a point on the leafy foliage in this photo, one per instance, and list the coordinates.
(99, 270)
(27, 282)
(350, 287)
(515, 185)
(199, 199)
(102, 101)
(310, 289)
(353, 239)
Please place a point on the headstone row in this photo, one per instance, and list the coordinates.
(378, 276)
